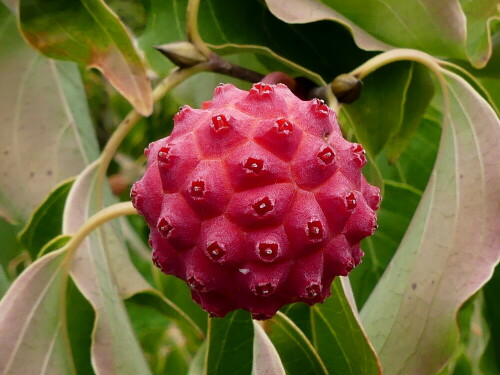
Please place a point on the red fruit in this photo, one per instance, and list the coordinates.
(256, 200)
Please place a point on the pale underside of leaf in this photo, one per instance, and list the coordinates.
(266, 360)
(98, 261)
(304, 11)
(36, 115)
(451, 246)
(32, 321)
(434, 26)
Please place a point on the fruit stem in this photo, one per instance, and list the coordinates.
(220, 65)
(104, 215)
(395, 55)
(192, 32)
(173, 79)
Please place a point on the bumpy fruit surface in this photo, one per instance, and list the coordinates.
(256, 200)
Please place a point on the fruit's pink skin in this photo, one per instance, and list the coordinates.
(256, 200)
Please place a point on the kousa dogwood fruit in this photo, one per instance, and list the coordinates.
(256, 200)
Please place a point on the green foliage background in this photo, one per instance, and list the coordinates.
(425, 298)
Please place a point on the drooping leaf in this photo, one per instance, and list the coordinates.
(435, 27)
(480, 16)
(99, 270)
(89, 33)
(46, 221)
(295, 350)
(451, 246)
(229, 348)
(104, 274)
(46, 135)
(339, 337)
(32, 324)
(392, 102)
(266, 360)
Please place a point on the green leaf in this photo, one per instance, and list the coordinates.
(481, 15)
(80, 318)
(46, 221)
(46, 134)
(197, 366)
(89, 33)
(434, 27)
(230, 344)
(417, 98)
(266, 359)
(391, 105)
(295, 350)
(339, 338)
(4, 282)
(491, 360)
(451, 246)
(223, 28)
(34, 337)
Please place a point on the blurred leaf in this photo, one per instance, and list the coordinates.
(296, 352)
(89, 33)
(46, 221)
(34, 336)
(339, 338)
(451, 246)
(155, 301)
(434, 27)
(179, 293)
(197, 366)
(480, 16)
(230, 344)
(266, 360)
(391, 105)
(46, 135)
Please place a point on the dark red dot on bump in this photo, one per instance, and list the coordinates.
(315, 230)
(350, 201)
(284, 126)
(197, 189)
(195, 284)
(313, 290)
(215, 251)
(262, 88)
(326, 155)
(220, 122)
(264, 290)
(164, 228)
(268, 251)
(263, 206)
(163, 154)
(254, 165)
(321, 107)
(359, 155)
